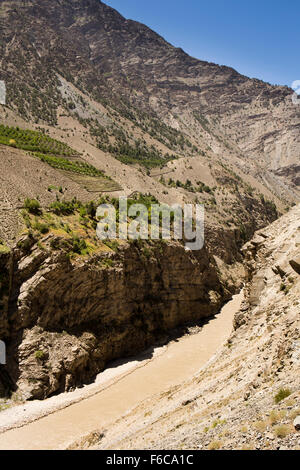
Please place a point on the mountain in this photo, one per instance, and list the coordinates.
(151, 118)
(98, 107)
(50, 46)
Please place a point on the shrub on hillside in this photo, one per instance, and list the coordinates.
(282, 394)
(62, 208)
(79, 246)
(42, 228)
(32, 205)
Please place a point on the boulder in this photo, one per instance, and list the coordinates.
(297, 423)
(257, 240)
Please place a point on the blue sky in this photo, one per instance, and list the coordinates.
(259, 38)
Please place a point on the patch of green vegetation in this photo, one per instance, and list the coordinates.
(66, 228)
(41, 227)
(79, 245)
(286, 288)
(127, 149)
(41, 246)
(202, 120)
(55, 188)
(94, 184)
(32, 206)
(270, 206)
(33, 141)
(56, 154)
(145, 199)
(199, 188)
(109, 263)
(282, 394)
(139, 153)
(26, 219)
(40, 355)
(112, 244)
(74, 226)
(4, 249)
(72, 166)
(64, 207)
(34, 102)
(167, 135)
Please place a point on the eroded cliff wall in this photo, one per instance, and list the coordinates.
(65, 319)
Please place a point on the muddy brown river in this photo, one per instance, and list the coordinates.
(123, 388)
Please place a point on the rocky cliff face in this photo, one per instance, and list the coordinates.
(247, 396)
(63, 321)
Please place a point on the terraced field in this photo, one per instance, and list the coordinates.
(33, 141)
(94, 184)
(59, 156)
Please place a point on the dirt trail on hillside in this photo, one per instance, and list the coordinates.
(174, 364)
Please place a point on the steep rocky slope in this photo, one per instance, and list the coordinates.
(51, 305)
(247, 396)
(235, 207)
(83, 50)
(146, 114)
